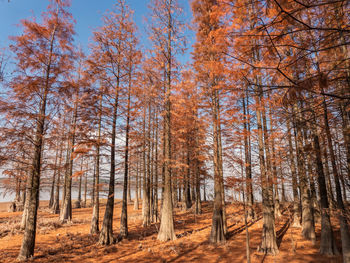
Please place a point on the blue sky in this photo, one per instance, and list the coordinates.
(87, 14)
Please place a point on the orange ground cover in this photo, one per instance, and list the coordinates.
(73, 243)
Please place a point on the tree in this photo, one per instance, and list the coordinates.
(107, 60)
(43, 55)
(209, 64)
(164, 36)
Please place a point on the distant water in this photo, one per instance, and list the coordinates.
(45, 195)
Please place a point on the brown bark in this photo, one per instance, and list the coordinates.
(276, 199)
(52, 191)
(94, 229)
(124, 215)
(187, 189)
(217, 234)
(136, 203)
(166, 230)
(268, 242)
(146, 174)
(344, 230)
(66, 210)
(56, 204)
(106, 235)
(327, 246)
(156, 175)
(247, 159)
(308, 227)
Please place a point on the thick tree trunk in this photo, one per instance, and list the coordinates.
(217, 234)
(166, 230)
(344, 230)
(331, 199)
(310, 176)
(26, 205)
(106, 235)
(308, 226)
(268, 242)
(327, 246)
(274, 168)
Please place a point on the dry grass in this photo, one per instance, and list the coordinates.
(72, 242)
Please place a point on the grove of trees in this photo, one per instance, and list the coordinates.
(262, 108)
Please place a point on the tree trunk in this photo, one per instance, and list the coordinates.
(156, 174)
(85, 188)
(247, 156)
(106, 234)
(56, 204)
(188, 200)
(136, 203)
(204, 191)
(331, 200)
(26, 206)
(166, 230)
(198, 191)
(96, 208)
(145, 185)
(52, 192)
(66, 211)
(308, 227)
(217, 234)
(124, 215)
(78, 203)
(327, 246)
(268, 242)
(344, 231)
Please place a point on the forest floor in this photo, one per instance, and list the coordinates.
(73, 243)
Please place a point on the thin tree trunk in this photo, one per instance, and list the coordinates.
(78, 202)
(145, 194)
(56, 204)
(85, 187)
(156, 174)
(52, 192)
(247, 155)
(96, 208)
(124, 215)
(188, 200)
(136, 203)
